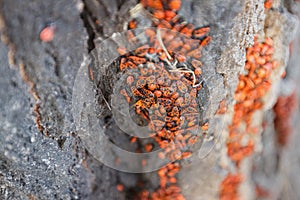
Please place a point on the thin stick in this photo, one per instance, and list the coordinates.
(105, 100)
(173, 65)
(188, 71)
(162, 44)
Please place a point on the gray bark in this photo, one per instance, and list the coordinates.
(41, 154)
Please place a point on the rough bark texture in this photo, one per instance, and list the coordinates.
(41, 155)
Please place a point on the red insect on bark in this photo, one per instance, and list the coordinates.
(201, 32)
(47, 34)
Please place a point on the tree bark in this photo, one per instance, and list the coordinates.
(42, 155)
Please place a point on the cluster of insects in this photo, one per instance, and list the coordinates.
(161, 83)
(164, 96)
(230, 186)
(250, 90)
(161, 80)
(166, 175)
